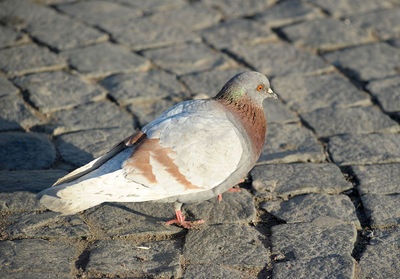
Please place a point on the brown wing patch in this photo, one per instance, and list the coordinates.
(140, 161)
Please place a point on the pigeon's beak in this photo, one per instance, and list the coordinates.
(274, 95)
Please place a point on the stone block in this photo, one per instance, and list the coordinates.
(9, 37)
(153, 5)
(339, 8)
(288, 180)
(25, 151)
(382, 210)
(308, 93)
(205, 271)
(356, 149)
(104, 59)
(6, 87)
(237, 8)
(52, 91)
(286, 143)
(387, 92)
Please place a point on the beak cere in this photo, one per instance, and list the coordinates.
(272, 93)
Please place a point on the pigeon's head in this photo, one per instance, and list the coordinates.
(248, 85)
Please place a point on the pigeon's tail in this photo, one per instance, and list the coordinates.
(66, 205)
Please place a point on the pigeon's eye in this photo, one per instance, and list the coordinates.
(260, 87)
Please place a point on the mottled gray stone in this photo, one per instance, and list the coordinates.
(14, 115)
(90, 116)
(47, 224)
(382, 23)
(160, 258)
(34, 275)
(25, 151)
(104, 59)
(36, 254)
(18, 188)
(139, 87)
(234, 208)
(330, 267)
(228, 245)
(237, 32)
(287, 143)
(153, 5)
(100, 13)
(61, 32)
(81, 147)
(324, 237)
(355, 149)
(356, 120)
(132, 219)
(52, 91)
(307, 93)
(9, 37)
(28, 58)
(238, 8)
(148, 111)
(205, 271)
(280, 59)
(307, 208)
(365, 62)
(286, 12)
(287, 180)
(209, 82)
(387, 92)
(382, 210)
(325, 34)
(381, 257)
(188, 58)
(276, 112)
(378, 179)
(347, 7)
(6, 87)
(174, 26)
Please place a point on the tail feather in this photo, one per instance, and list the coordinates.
(66, 206)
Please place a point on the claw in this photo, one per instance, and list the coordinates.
(180, 221)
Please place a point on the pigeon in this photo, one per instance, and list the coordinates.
(192, 152)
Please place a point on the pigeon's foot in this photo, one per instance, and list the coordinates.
(229, 190)
(180, 221)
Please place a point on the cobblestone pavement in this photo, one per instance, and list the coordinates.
(323, 201)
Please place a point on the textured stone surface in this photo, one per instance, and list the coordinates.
(280, 59)
(91, 116)
(161, 29)
(288, 180)
(188, 58)
(384, 23)
(159, 258)
(378, 179)
(104, 59)
(28, 58)
(81, 147)
(140, 87)
(234, 208)
(132, 219)
(276, 112)
(36, 254)
(358, 120)
(325, 34)
(346, 7)
(237, 32)
(34, 275)
(365, 149)
(14, 114)
(365, 62)
(204, 271)
(387, 91)
(382, 210)
(153, 5)
(52, 91)
(286, 12)
(307, 93)
(9, 37)
(6, 87)
(381, 258)
(236, 8)
(329, 267)
(290, 143)
(218, 246)
(47, 224)
(25, 151)
(301, 241)
(307, 208)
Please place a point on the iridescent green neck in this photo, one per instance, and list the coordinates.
(232, 95)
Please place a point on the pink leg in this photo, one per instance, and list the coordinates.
(180, 221)
(231, 190)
